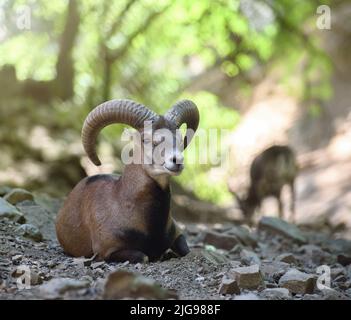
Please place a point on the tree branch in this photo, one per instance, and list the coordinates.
(118, 53)
(118, 22)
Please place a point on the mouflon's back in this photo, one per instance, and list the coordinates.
(274, 167)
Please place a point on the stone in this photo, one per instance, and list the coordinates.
(87, 278)
(341, 278)
(244, 235)
(331, 294)
(249, 257)
(51, 263)
(283, 228)
(236, 249)
(276, 294)
(270, 284)
(56, 287)
(40, 217)
(346, 285)
(18, 195)
(98, 264)
(247, 296)
(314, 253)
(207, 257)
(342, 246)
(220, 241)
(229, 286)
(286, 257)
(124, 284)
(84, 262)
(48, 203)
(35, 279)
(17, 258)
(4, 190)
(297, 282)
(343, 259)
(273, 270)
(335, 272)
(29, 231)
(309, 297)
(7, 210)
(248, 277)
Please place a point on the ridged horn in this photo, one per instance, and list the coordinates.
(114, 111)
(184, 111)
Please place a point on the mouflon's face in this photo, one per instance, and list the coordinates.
(161, 149)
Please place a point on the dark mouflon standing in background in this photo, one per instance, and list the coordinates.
(269, 172)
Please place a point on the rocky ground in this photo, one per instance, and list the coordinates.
(276, 260)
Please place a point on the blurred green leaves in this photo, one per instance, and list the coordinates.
(203, 179)
(157, 62)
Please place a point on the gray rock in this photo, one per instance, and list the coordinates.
(244, 235)
(335, 272)
(4, 190)
(220, 241)
(98, 264)
(124, 284)
(40, 217)
(229, 286)
(35, 279)
(236, 249)
(348, 292)
(346, 285)
(276, 294)
(297, 282)
(273, 270)
(17, 258)
(343, 259)
(331, 294)
(84, 262)
(270, 285)
(314, 253)
(342, 246)
(309, 297)
(7, 210)
(29, 231)
(249, 257)
(283, 228)
(248, 277)
(56, 287)
(206, 257)
(18, 195)
(286, 257)
(247, 296)
(50, 204)
(87, 278)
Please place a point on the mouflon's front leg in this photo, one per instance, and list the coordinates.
(179, 245)
(133, 256)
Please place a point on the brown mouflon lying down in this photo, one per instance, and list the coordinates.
(120, 218)
(269, 172)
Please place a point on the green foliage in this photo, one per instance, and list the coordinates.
(202, 178)
(157, 60)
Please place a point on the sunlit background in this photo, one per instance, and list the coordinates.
(263, 70)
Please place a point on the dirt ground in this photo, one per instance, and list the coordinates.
(216, 250)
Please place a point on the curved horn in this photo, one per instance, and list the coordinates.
(185, 111)
(113, 111)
